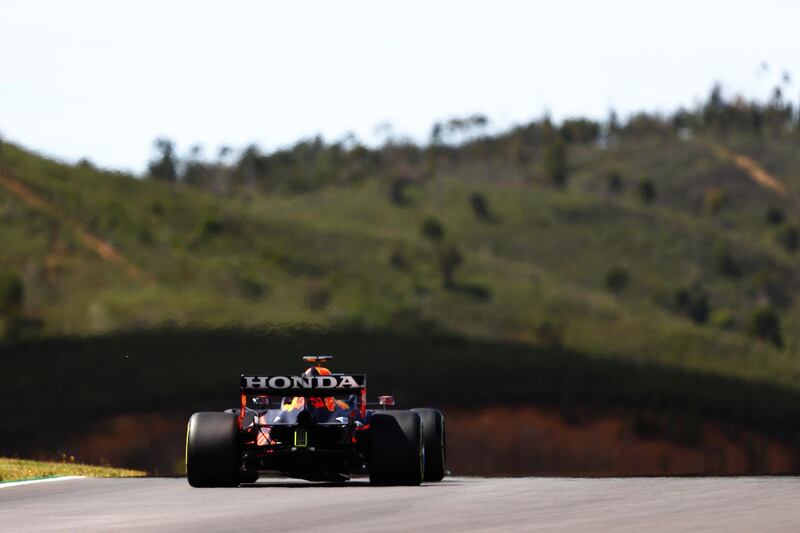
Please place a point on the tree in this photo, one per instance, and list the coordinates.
(765, 323)
(693, 302)
(480, 205)
(222, 172)
(617, 279)
(432, 159)
(615, 183)
(164, 166)
(647, 191)
(775, 216)
(580, 130)
(714, 109)
(756, 118)
(195, 172)
(247, 169)
(555, 163)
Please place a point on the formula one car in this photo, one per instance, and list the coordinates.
(317, 426)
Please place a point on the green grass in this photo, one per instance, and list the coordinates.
(24, 469)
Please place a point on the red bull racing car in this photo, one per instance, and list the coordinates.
(317, 426)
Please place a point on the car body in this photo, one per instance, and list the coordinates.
(316, 426)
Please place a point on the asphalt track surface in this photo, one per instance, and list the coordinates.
(456, 504)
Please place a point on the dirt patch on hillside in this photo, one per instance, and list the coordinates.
(756, 172)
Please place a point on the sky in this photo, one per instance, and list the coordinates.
(102, 80)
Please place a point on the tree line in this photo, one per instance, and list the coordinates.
(313, 163)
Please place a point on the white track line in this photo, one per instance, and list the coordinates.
(8, 484)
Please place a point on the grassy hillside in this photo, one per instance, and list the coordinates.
(535, 268)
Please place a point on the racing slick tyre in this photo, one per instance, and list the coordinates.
(395, 450)
(434, 443)
(212, 450)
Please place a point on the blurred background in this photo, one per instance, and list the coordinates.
(573, 227)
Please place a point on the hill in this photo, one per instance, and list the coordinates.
(649, 265)
(581, 267)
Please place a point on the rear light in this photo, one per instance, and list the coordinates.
(301, 438)
(386, 401)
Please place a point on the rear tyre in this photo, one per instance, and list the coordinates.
(212, 450)
(395, 451)
(434, 442)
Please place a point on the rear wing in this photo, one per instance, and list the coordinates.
(330, 385)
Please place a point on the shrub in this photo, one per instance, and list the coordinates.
(724, 262)
(647, 191)
(146, 235)
(449, 260)
(693, 302)
(212, 226)
(789, 238)
(614, 182)
(157, 208)
(617, 279)
(555, 163)
(251, 288)
(775, 216)
(722, 319)
(398, 260)
(318, 298)
(12, 293)
(480, 205)
(765, 324)
(432, 229)
(714, 200)
(772, 285)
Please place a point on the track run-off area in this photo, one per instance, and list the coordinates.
(456, 504)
